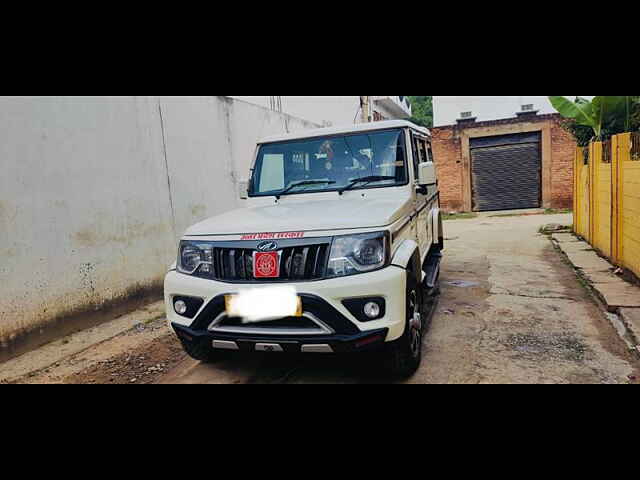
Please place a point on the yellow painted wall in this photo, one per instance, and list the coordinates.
(629, 198)
(602, 186)
(607, 201)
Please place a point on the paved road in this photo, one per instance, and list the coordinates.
(511, 311)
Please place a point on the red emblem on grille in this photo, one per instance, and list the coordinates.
(266, 265)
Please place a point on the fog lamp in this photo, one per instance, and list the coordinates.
(180, 307)
(372, 310)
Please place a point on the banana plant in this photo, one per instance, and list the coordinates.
(603, 114)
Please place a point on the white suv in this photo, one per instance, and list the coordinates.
(337, 250)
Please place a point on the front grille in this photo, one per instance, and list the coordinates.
(307, 262)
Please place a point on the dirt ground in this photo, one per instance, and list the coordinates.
(511, 311)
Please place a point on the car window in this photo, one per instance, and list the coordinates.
(429, 153)
(420, 152)
(337, 161)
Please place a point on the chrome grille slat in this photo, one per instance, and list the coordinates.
(243, 265)
(305, 254)
(289, 262)
(314, 265)
(296, 263)
(232, 262)
(223, 268)
(249, 265)
(318, 267)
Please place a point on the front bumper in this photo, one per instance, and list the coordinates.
(322, 298)
(359, 342)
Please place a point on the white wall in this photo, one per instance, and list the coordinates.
(335, 110)
(91, 207)
(447, 110)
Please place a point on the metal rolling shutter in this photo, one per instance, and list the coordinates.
(506, 172)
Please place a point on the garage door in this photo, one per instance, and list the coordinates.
(506, 172)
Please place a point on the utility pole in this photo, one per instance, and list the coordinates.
(365, 105)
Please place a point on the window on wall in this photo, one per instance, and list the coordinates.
(466, 115)
(527, 108)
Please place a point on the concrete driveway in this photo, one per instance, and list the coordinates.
(528, 319)
(511, 311)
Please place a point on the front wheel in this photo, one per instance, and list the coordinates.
(404, 356)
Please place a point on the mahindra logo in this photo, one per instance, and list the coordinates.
(267, 246)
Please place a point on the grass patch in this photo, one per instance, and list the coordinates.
(459, 216)
(555, 211)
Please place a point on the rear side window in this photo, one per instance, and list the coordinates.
(421, 151)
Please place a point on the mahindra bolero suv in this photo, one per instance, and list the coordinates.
(337, 250)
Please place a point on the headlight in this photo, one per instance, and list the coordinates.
(353, 254)
(195, 258)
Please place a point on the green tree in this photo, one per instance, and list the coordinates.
(599, 118)
(422, 108)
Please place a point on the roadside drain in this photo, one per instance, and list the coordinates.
(621, 330)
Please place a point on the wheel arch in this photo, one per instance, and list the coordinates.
(435, 224)
(404, 254)
(407, 256)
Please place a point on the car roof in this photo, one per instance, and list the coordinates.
(356, 128)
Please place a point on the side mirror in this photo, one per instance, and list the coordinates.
(427, 174)
(243, 189)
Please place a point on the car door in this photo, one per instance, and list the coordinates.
(419, 147)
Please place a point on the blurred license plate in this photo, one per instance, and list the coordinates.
(262, 304)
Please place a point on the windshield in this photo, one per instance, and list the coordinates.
(330, 164)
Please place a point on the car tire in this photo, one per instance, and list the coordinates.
(404, 356)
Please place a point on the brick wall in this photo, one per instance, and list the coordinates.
(447, 152)
(563, 148)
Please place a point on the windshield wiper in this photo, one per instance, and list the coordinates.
(303, 183)
(370, 179)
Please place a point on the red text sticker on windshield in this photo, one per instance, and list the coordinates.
(266, 265)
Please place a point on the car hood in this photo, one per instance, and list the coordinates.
(297, 216)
